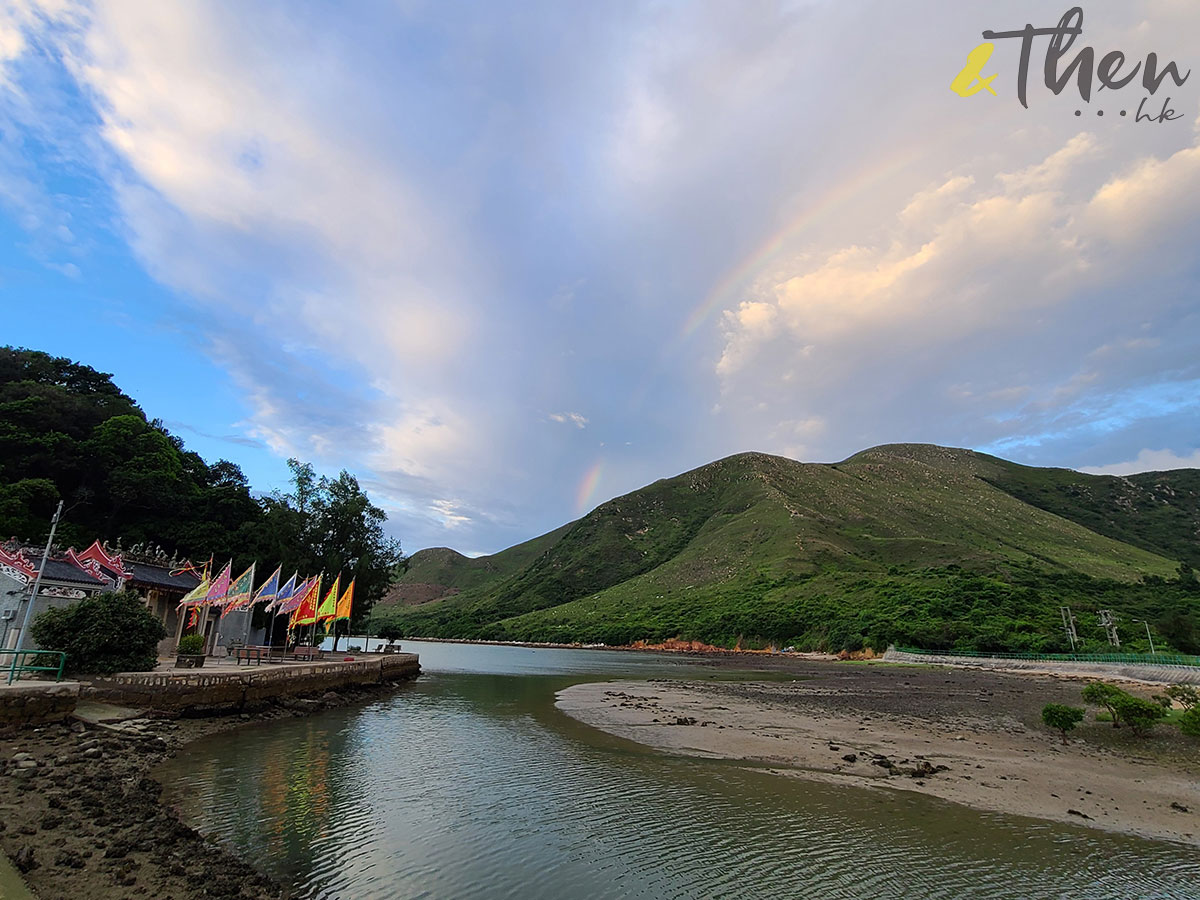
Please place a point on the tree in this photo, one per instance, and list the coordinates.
(391, 633)
(1183, 694)
(102, 634)
(1138, 713)
(1062, 718)
(1189, 722)
(1100, 694)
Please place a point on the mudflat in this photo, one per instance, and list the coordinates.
(966, 736)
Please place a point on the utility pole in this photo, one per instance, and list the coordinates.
(1150, 639)
(1108, 622)
(37, 583)
(1069, 625)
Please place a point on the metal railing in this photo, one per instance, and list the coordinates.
(20, 662)
(1142, 659)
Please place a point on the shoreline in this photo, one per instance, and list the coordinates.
(896, 731)
(83, 814)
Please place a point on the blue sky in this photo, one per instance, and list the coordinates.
(506, 261)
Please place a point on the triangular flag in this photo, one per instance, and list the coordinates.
(196, 595)
(240, 592)
(343, 605)
(284, 593)
(220, 586)
(290, 604)
(306, 612)
(269, 589)
(328, 607)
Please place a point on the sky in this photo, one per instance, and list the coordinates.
(504, 261)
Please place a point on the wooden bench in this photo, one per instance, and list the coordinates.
(307, 654)
(250, 655)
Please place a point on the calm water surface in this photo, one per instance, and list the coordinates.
(469, 784)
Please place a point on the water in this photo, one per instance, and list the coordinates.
(469, 784)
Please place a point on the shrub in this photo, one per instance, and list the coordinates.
(1185, 695)
(191, 645)
(1100, 694)
(102, 634)
(1189, 722)
(1062, 718)
(1137, 713)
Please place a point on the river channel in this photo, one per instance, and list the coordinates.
(469, 783)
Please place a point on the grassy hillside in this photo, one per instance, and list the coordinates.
(440, 571)
(915, 543)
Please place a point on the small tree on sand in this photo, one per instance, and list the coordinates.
(1138, 713)
(1062, 718)
(1100, 694)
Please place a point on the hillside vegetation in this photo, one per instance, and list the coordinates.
(914, 544)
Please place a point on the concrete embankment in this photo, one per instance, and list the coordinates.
(233, 691)
(1150, 674)
(37, 702)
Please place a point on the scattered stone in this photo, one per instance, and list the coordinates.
(1075, 812)
(1178, 806)
(24, 859)
(851, 757)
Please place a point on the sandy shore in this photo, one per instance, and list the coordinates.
(972, 738)
(81, 816)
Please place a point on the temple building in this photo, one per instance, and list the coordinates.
(160, 582)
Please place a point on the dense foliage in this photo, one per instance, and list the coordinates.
(102, 634)
(67, 432)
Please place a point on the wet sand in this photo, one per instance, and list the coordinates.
(968, 737)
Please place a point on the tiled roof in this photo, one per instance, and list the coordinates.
(61, 570)
(160, 577)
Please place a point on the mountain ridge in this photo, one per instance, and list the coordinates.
(720, 551)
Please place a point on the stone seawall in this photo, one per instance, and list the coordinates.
(1128, 671)
(198, 691)
(37, 702)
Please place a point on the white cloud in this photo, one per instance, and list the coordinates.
(576, 419)
(1148, 460)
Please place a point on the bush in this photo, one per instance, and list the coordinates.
(102, 634)
(191, 645)
(1189, 722)
(1100, 694)
(1062, 718)
(1184, 694)
(1137, 713)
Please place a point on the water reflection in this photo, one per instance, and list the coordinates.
(470, 784)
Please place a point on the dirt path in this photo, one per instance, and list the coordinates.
(973, 738)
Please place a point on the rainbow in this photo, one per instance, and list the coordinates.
(724, 294)
(587, 487)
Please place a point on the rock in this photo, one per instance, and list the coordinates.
(93, 753)
(1075, 812)
(19, 757)
(851, 757)
(24, 859)
(330, 697)
(70, 859)
(1178, 807)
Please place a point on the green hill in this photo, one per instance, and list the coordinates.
(907, 543)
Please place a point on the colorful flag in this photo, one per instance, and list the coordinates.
(293, 601)
(284, 594)
(306, 612)
(240, 592)
(328, 608)
(196, 595)
(270, 588)
(220, 586)
(343, 605)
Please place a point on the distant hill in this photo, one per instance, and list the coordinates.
(907, 542)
